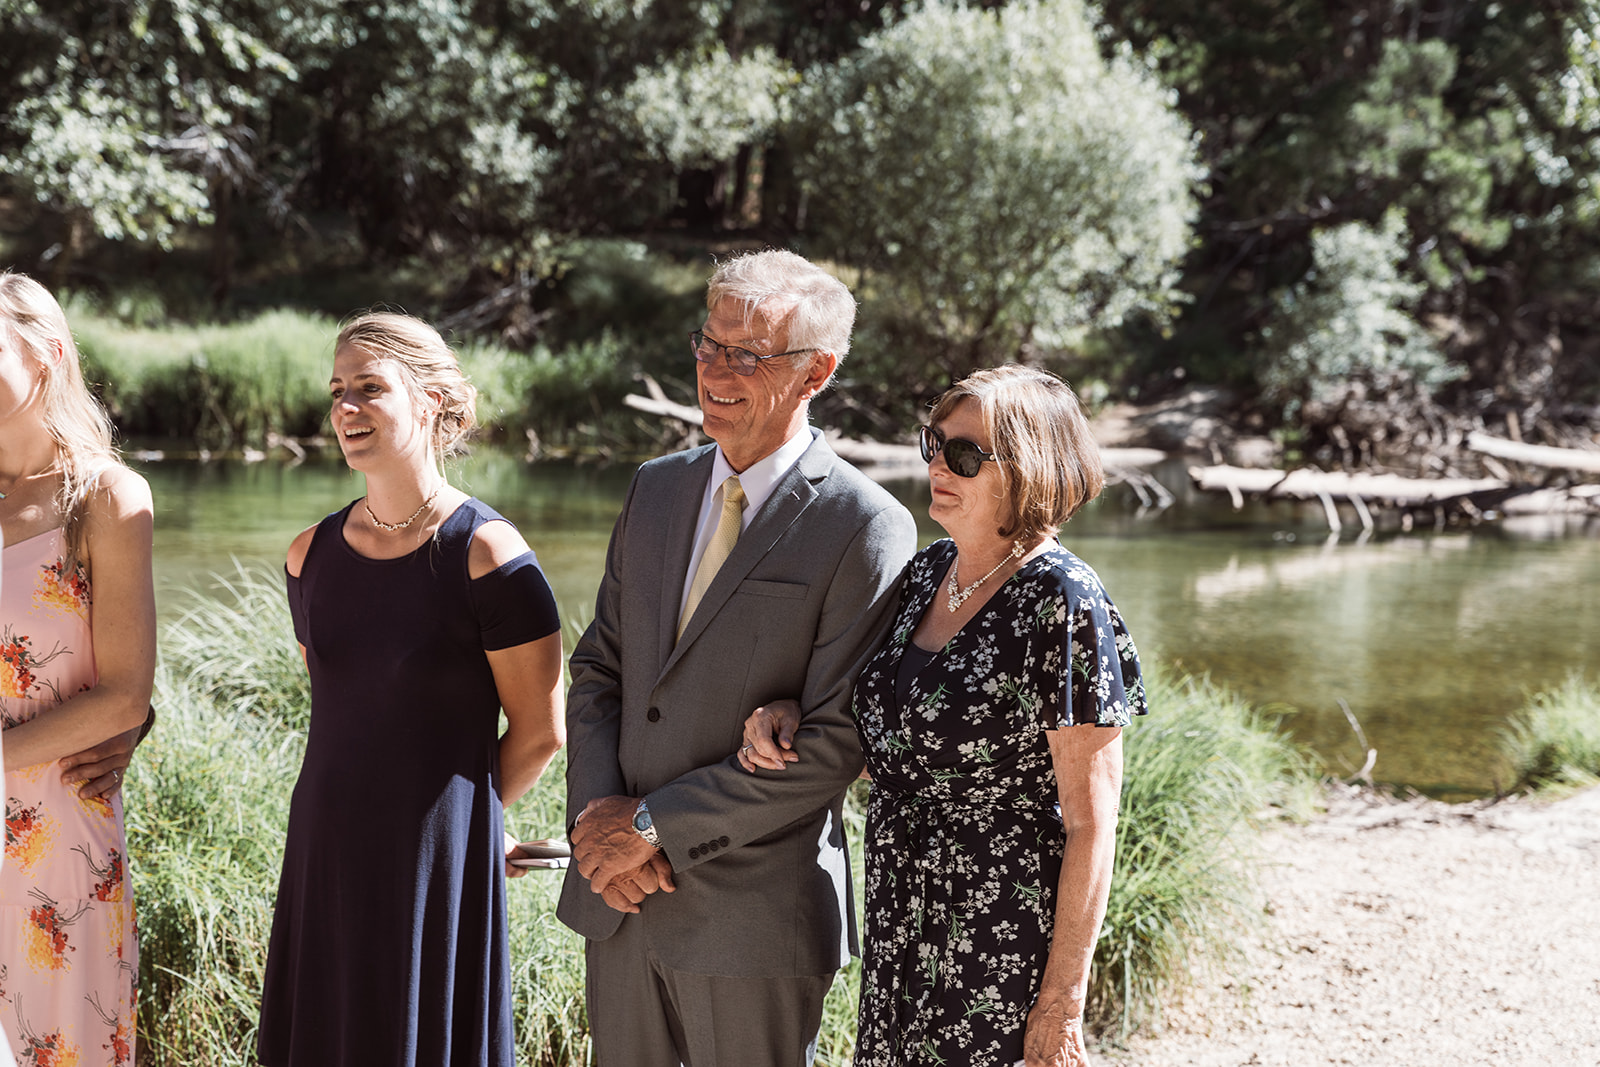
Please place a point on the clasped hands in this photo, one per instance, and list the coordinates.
(621, 866)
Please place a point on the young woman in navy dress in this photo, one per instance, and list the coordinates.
(421, 614)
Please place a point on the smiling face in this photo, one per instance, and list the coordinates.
(974, 508)
(751, 416)
(374, 416)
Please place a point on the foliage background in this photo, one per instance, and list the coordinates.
(1141, 195)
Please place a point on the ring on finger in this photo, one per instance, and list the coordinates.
(747, 748)
(116, 776)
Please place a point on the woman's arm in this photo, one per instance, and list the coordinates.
(118, 531)
(99, 771)
(528, 678)
(1088, 765)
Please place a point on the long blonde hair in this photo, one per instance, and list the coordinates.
(74, 418)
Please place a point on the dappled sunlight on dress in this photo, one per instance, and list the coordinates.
(68, 951)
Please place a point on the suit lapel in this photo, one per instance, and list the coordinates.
(789, 500)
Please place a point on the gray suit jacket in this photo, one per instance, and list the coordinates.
(800, 605)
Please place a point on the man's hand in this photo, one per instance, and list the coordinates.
(605, 845)
(98, 771)
(629, 889)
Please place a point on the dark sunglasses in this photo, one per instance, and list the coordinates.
(740, 360)
(960, 455)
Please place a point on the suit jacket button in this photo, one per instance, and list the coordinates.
(713, 846)
(654, 714)
(723, 840)
(694, 853)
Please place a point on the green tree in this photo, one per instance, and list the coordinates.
(1475, 121)
(1001, 186)
(1344, 337)
(120, 118)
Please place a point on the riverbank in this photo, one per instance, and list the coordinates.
(1409, 933)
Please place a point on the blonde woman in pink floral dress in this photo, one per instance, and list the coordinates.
(77, 659)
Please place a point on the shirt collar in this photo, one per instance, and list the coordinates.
(762, 477)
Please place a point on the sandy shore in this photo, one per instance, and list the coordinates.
(1411, 934)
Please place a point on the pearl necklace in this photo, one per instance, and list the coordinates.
(954, 599)
(393, 526)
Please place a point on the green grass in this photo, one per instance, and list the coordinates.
(1200, 773)
(1553, 744)
(243, 384)
(208, 801)
(617, 310)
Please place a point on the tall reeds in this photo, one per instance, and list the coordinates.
(1200, 772)
(244, 384)
(209, 795)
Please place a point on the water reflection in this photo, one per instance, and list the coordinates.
(1431, 638)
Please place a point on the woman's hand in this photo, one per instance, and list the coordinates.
(99, 771)
(1054, 1035)
(769, 736)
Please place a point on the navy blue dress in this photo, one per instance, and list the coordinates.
(389, 942)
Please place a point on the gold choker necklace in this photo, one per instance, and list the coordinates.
(393, 526)
(954, 599)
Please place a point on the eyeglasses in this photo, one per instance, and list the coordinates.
(740, 360)
(960, 455)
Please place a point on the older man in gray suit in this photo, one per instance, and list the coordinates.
(758, 569)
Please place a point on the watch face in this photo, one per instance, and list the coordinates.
(642, 821)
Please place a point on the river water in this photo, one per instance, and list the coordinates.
(1431, 639)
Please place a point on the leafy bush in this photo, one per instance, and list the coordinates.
(1554, 744)
(999, 183)
(1344, 331)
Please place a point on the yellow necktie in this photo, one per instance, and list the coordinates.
(718, 548)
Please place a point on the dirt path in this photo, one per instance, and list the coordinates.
(1412, 934)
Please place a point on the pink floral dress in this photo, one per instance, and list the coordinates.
(69, 955)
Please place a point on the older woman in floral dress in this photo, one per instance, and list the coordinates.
(992, 722)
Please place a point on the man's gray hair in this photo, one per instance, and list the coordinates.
(822, 309)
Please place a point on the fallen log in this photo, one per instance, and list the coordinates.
(1474, 499)
(1571, 459)
(867, 453)
(1308, 484)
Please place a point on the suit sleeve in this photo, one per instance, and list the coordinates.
(725, 800)
(594, 698)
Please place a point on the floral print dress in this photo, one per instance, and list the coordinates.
(68, 951)
(964, 837)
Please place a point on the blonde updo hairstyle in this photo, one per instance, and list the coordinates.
(1049, 462)
(74, 418)
(427, 365)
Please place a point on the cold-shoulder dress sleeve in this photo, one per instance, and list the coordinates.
(514, 604)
